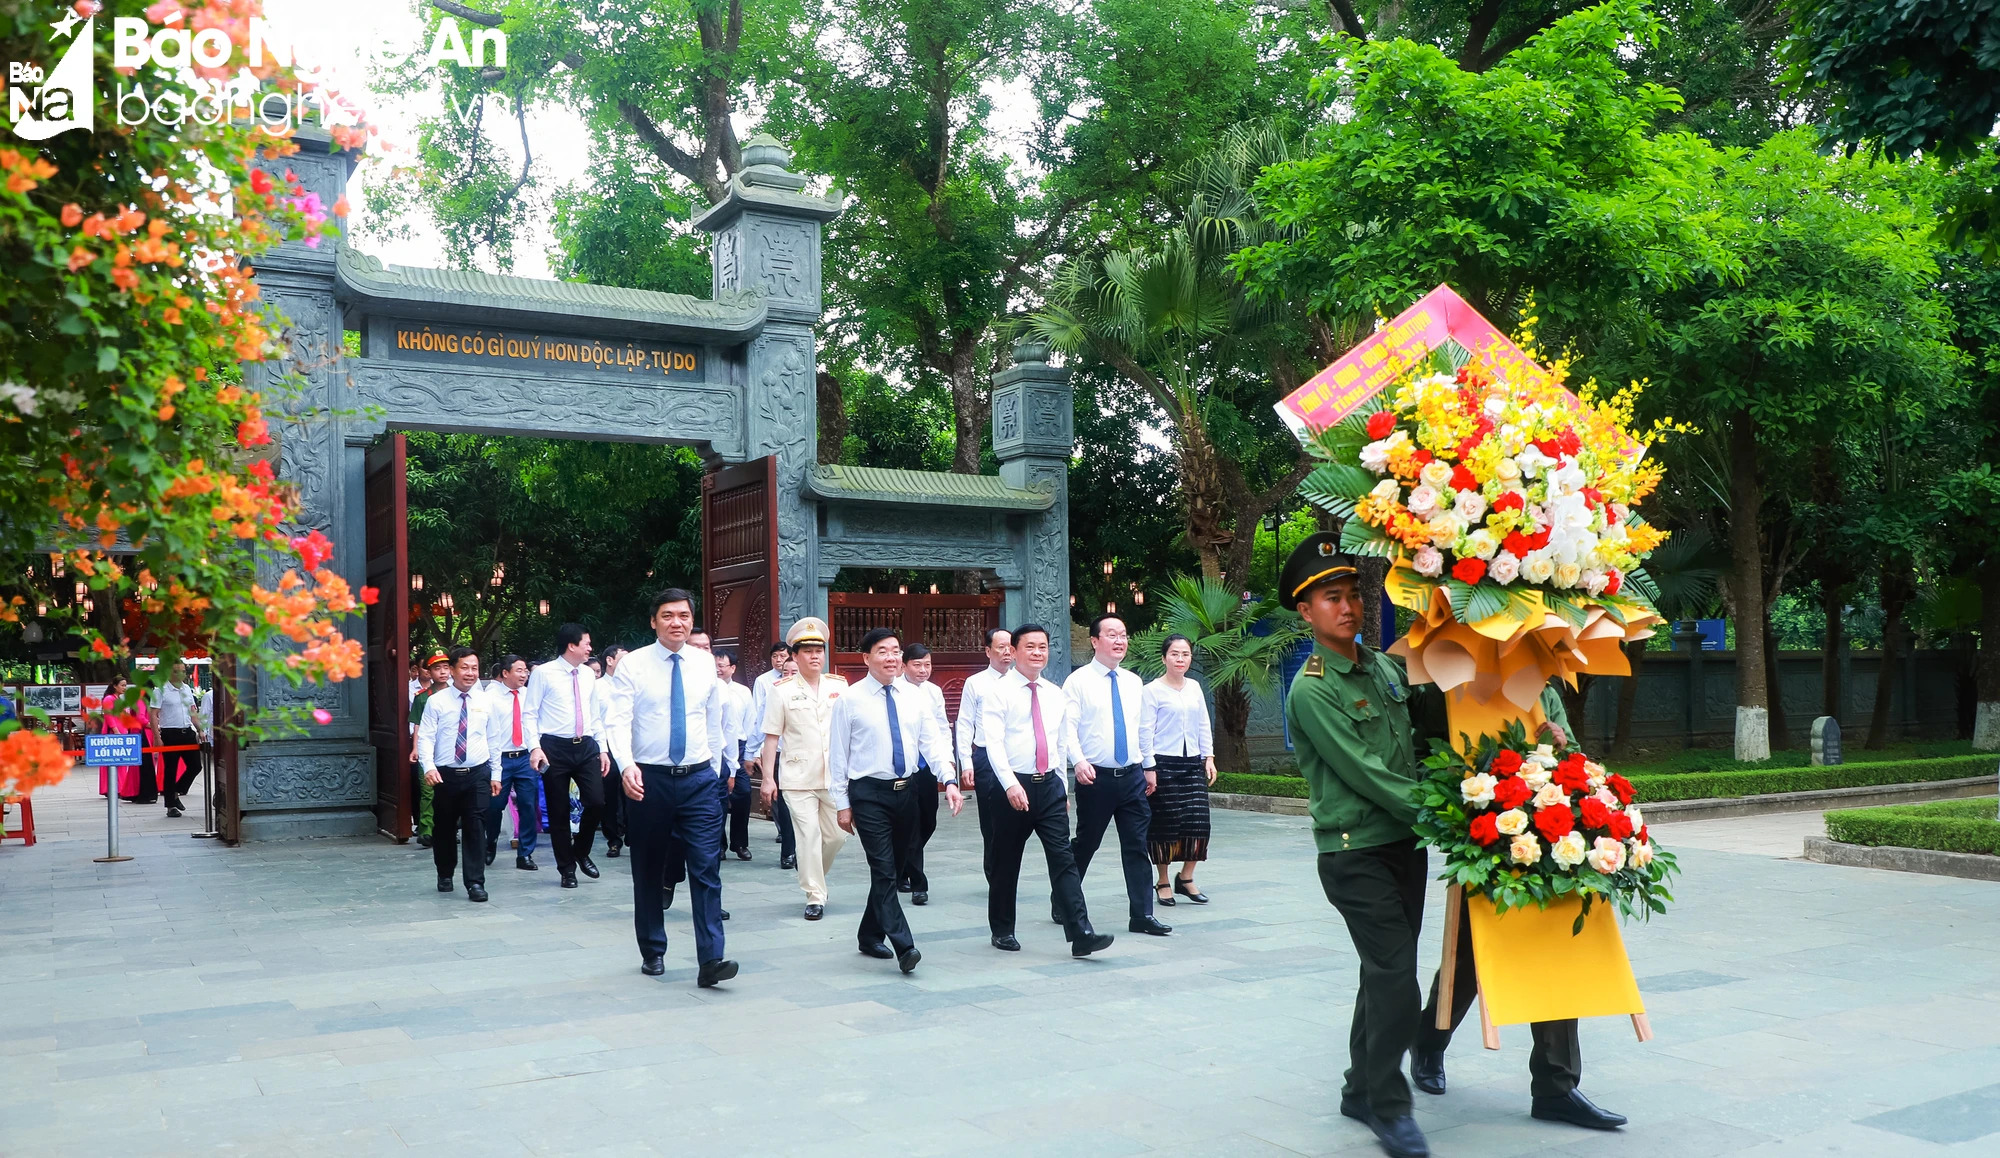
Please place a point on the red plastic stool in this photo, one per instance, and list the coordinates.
(26, 835)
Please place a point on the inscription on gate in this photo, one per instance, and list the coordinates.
(551, 353)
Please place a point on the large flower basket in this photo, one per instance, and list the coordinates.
(1506, 504)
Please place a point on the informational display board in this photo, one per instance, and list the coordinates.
(55, 699)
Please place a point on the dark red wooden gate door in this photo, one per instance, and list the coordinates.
(739, 549)
(387, 510)
(953, 627)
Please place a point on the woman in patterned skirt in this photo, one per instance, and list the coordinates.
(1183, 757)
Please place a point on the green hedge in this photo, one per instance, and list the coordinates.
(1941, 825)
(1709, 785)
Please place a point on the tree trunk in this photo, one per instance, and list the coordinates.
(1894, 596)
(1832, 604)
(1232, 720)
(1746, 505)
(1628, 700)
(832, 418)
(1986, 717)
(968, 403)
(1201, 490)
(1774, 688)
(1374, 570)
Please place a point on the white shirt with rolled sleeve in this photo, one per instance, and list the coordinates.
(971, 695)
(174, 705)
(1009, 728)
(736, 724)
(550, 707)
(486, 731)
(1179, 720)
(760, 690)
(638, 711)
(858, 741)
(1089, 690)
(934, 695)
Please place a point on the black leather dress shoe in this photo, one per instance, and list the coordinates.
(492, 851)
(1399, 1136)
(878, 950)
(920, 898)
(1353, 1108)
(667, 896)
(444, 884)
(907, 960)
(1152, 926)
(1089, 943)
(612, 848)
(788, 862)
(569, 880)
(815, 912)
(475, 892)
(653, 965)
(1427, 1070)
(588, 866)
(1577, 1110)
(744, 853)
(725, 914)
(526, 863)
(423, 840)
(720, 969)
(903, 886)
(1007, 944)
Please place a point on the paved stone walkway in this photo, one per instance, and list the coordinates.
(321, 998)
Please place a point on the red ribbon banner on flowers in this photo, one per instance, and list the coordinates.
(1361, 373)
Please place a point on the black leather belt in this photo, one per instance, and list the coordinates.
(1037, 777)
(565, 739)
(516, 752)
(467, 768)
(1127, 770)
(676, 769)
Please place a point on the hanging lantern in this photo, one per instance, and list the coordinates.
(1110, 608)
(416, 582)
(545, 607)
(499, 575)
(934, 589)
(444, 601)
(42, 609)
(902, 588)
(1072, 601)
(81, 591)
(1107, 568)
(89, 606)
(56, 566)
(1139, 598)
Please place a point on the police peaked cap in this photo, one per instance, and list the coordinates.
(1317, 560)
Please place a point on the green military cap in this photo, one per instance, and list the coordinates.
(1317, 560)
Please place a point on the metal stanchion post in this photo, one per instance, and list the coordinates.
(111, 823)
(209, 831)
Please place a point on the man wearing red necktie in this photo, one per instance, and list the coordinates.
(517, 776)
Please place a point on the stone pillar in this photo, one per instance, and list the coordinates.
(1033, 437)
(767, 241)
(322, 784)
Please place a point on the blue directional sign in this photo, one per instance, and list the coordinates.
(112, 751)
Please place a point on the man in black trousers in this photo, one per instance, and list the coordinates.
(1030, 733)
(1114, 734)
(880, 730)
(458, 748)
(569, 749)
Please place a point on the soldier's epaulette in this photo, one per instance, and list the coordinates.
(839, 679)
(1314, 667)
(782, 680)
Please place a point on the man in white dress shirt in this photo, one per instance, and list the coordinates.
(917, 673)
(970, 742)
(879, 733)
(736, 728)
(663, 720)
(566, 720)
(517, 776)
(1031, 741)
(1112, 783)
(458, 748)
(174, 714)
(753, 754)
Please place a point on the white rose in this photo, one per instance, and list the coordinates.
(1538, 567)
(1632, 814)
(1507, 470)
(1524, 849)
(1642, 853)
(1375, 456)
(1481, 544)
(1595, 581)
(1534, 775)
(1607, 855)
(1504, 569)
(1389, 489)
(1545, 753)
(1605, 797)
(1470, 506)
(1428, 561)
(1568, 574)
(1445, 529)
(1423, 502)
(1496, 404)
(1435, 474)
(1551, 795)
(1512, 822)
(1477, 789)
(1570, 850)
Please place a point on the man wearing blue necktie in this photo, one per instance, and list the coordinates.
(877, 734)
(663, 721)
(1112, 782)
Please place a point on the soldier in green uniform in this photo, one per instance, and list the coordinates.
(1555, 1062)
(1349, 711)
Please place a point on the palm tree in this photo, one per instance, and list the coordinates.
(1229, 654)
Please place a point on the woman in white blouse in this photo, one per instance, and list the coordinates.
(1183, 758)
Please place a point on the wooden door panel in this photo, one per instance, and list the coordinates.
(387, 516)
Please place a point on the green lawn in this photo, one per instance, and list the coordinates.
(1721, 759)
(1971, 825)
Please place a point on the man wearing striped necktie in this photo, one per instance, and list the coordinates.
(517, 775)
(458, 747)
(564, 719)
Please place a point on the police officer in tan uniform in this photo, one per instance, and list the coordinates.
(796, 715)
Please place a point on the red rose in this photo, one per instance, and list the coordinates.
(1620, 787)
(1381, 423)
(1568, 442)
(1546, 446)
(1506, 762)
(1466, 446)
(1512, 792)
(1571, 776)
(1554, 823)
(1538, 540)
(1511, 501)
(1642, 834)
(1617, 581)
(1621, 825)
(1595, 814)
(1517, 543)
(1593, 498)
(1485, 829)
(1469, 570)
(1422, 457)
(1462, 480)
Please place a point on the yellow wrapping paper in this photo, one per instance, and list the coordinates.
(1531, 969)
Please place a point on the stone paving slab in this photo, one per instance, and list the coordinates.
(319, 997)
